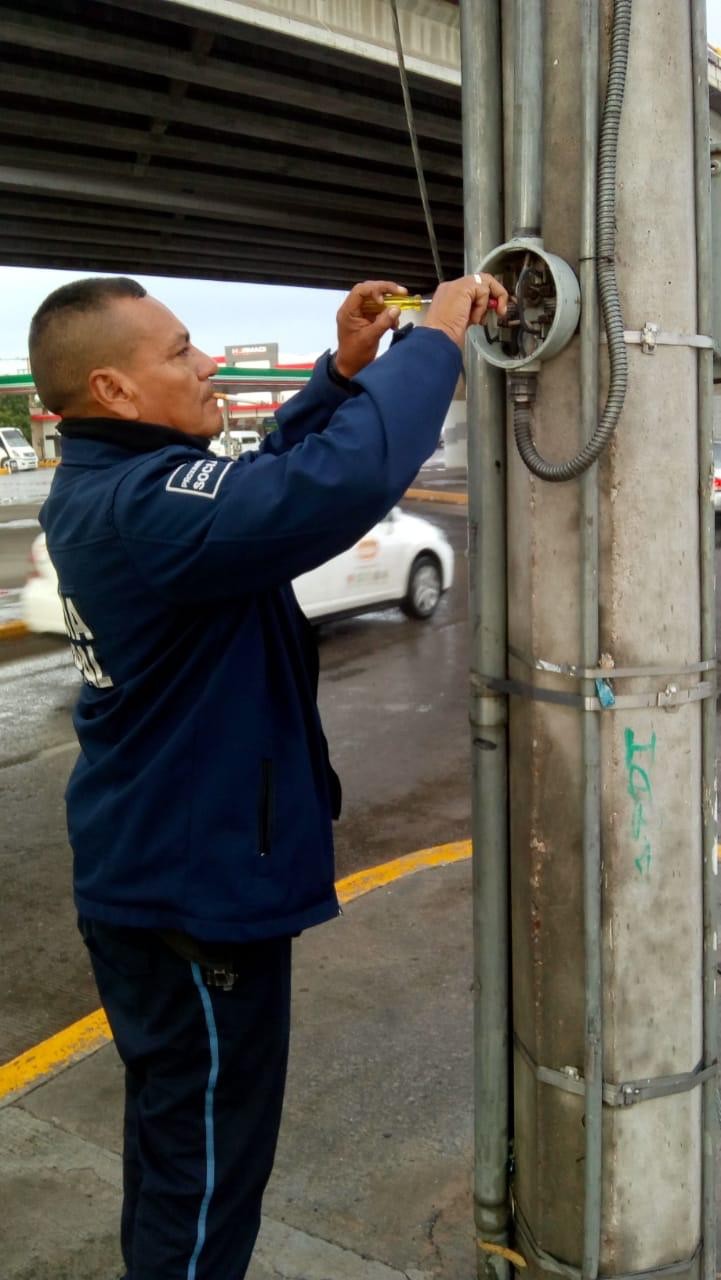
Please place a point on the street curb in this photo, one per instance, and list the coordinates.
(13, 630)
(437, 495)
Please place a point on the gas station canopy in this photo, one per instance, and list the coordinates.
(228, 381)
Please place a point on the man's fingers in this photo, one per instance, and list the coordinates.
(488, 287)
(388, 319)
(371, 288)
(375, 289)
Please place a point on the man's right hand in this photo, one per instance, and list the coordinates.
(460, 303)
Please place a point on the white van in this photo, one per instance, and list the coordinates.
(240, 441)
(15, 452)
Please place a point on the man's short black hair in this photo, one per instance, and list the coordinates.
(66, 341)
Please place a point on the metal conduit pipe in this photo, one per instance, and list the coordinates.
(702, 176)
(591, 729)
(482, 185)
(608, 289)
(527, 193)
(716, 246)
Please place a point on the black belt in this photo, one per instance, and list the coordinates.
(217, 964)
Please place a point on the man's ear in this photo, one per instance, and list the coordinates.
(114, 393)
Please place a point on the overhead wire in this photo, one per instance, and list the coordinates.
(414, 143)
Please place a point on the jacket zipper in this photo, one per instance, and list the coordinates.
(265, 815)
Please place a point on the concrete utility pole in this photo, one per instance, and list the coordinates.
(609, 678)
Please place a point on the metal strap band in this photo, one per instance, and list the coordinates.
(651, 337)
(548, 1262)
(669, 697)
(659, 338)
(606, 673)
(619, 1095)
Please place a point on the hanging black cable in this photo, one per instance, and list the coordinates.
(414, 144)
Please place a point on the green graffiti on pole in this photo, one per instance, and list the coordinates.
(640, 789)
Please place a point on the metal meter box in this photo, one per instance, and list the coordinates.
(546, 309)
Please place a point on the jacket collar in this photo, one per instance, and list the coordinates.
(137, 437)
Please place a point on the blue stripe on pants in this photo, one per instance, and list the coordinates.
(209, 1131)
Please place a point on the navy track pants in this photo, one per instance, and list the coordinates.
(205, 1075)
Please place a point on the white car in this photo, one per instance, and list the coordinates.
(240, 442)
(403, 560)
(15, 452)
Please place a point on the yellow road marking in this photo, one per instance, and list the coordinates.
(73, 1042)
(363, 881)
(82, 1038)
(437, 495)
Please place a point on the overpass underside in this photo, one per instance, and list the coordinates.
(227, 140)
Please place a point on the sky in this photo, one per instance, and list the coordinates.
(301, 321)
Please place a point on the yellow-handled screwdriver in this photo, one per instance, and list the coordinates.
(404, 302)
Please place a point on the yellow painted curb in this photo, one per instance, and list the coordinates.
(87, 1035)
(13, 630)
(374, 877)
(4, 471)
(76, 1041)
(437, 495)
(49, 462)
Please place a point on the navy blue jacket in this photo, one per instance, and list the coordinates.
(202, 797)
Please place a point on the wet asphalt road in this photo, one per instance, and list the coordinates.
(393, 700)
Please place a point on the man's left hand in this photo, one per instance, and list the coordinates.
(359, 334)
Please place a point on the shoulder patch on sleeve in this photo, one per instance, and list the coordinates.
(202, 479)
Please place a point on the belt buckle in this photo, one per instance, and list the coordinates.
(220, 975)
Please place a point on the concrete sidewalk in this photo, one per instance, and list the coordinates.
(373, 1175)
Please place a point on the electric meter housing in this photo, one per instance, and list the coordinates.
(545, 314)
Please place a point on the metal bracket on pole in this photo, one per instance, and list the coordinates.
(607, 672)
(619, 1095)
(666, 698)
(651, 337)
(547, 1261)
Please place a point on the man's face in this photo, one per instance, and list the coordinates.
(168, 375)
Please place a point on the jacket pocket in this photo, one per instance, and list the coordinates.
(265, 808)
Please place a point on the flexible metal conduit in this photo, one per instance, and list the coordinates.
(482, 167)
(702, 183)
(606, 271)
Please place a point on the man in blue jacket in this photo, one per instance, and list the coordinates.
(191, 874)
